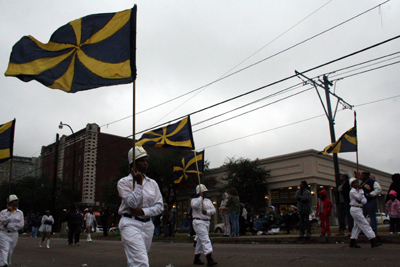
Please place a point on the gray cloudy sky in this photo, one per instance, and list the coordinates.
(182, 45)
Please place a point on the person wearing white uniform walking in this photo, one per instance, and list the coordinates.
(11, 220)
(203, 209)
(141, 199)
(45, 228)
(90, 219)
(357, 200)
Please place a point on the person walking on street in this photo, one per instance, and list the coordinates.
(74, 219)
(11, 221)
(392, 208)
(324, 207)
(371, 189)
(35, 223)
(233, 207)
(203, 209)
(225, 214)
(104, 220)
(357, 200)
(344, 205)
(141, 199)
(45, 228)
(90, 220)
(303, 196)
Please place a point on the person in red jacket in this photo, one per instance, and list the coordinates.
(324, 207)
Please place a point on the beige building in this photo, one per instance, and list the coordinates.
(286, 172)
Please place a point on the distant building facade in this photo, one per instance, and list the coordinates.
(97, 160)
(286, 172)
(21, 167)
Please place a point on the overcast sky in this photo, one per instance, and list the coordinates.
(183, 45)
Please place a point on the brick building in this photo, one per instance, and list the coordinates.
(97, 160)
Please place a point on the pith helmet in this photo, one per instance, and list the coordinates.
(139, 153)
(203, 188)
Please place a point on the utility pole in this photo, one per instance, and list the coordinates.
(325, 83)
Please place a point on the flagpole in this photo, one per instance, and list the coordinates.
(9, 178)
(355, 126)
(198, 176)
(134, 74)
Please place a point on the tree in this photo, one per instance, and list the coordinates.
(249, 179)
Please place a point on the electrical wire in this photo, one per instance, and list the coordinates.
(249, 66)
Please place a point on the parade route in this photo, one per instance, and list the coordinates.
(111, 253)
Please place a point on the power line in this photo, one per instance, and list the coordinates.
(276, 82)
(251, 65)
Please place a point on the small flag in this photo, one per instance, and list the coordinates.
(6, 140)
(188, 166)
(86, 53)
(346, 143)
(178, 135)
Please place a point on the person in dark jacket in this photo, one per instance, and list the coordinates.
(303, 196)
(74, 219)
(344, 205)
(371, 189)
(291, 218)
(104, 220)
(395, 186)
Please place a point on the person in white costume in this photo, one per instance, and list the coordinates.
(45, 228)
(357, 200)
(141, 199)
(11, 220)
(90, 219)
(203, 209)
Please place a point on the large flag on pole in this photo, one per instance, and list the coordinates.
(86, 53)
(178, 135)
(188, 166)
(346, 143)
(6, 140)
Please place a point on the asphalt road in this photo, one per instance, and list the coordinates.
(111, 253)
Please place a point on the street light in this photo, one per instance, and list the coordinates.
(73, 163)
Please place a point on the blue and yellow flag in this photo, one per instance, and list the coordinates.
(346, 143)
(6, 140)
(90, 52)
(188, 166)
(178, 135)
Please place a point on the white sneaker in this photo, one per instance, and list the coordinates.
(40, 244)
(391, 233)
(259, 232)
(48, 246)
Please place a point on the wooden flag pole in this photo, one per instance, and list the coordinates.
(198, 176)
(134, 74)
(355, 125)
(9, 179)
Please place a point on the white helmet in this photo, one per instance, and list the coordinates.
(139, 153)
(202, 187)
(351, 180)
(12, 198)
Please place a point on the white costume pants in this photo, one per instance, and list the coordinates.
(360, 224)
(136, 237)
(227, 223)
(8, 241)
(203, 244)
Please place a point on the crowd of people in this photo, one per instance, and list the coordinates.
(142, 212)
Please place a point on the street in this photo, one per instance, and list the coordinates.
(111, 253)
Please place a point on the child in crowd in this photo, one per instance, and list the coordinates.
(324, 207)
(393, 210)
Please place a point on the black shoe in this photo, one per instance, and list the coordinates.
(353, 244)
(210, 261)
(197, 260)
(374, 243)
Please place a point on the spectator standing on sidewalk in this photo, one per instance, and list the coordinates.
(303, 196)
(395, 186)
(344, 205)
(324, 207)
(233, 207)
(225, 214)
(371, 189)
(392, 208)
